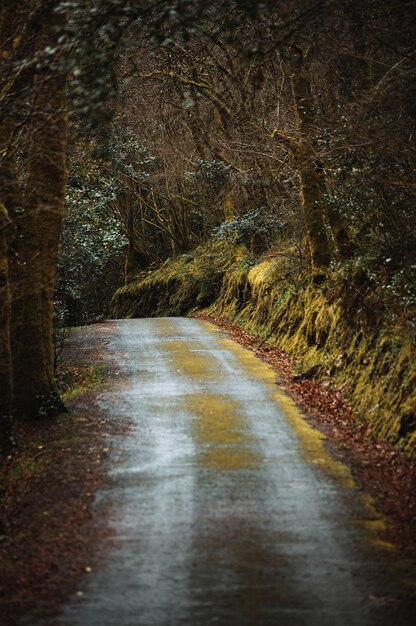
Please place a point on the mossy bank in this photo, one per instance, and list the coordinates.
(332, 328)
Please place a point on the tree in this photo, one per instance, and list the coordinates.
(92, 243)
(302, 109)
(311, 186)
(10, 23)
(6, 366)
(32, 243)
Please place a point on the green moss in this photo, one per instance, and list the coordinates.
(180, 285)
(374, 363)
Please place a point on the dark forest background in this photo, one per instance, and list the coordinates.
(133, 132)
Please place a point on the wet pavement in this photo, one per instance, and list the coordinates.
(228, 508)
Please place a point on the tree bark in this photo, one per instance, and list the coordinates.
(10, 26)
(130, 267)
(6, 367)
(8, 192)
(34, 382)
(311, 197)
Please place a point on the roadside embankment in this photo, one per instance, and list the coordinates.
(331, 328)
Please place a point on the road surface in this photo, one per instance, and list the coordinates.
(229, 510)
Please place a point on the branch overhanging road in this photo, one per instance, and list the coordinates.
(229, 509)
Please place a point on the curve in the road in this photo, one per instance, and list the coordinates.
(230, 511)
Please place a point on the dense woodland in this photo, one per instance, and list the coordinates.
(133, 132)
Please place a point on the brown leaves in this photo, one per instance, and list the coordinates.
(48, 484)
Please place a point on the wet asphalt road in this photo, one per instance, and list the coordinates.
(229, 510)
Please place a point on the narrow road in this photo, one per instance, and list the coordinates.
(229, 510)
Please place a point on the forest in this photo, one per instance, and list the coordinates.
(253, 160)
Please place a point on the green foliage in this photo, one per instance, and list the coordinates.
(241, 229)
(49, 404)
(74, 380)
(378, 286)
(211, 174)
(91, 247)
(126, 155)
(93, 240)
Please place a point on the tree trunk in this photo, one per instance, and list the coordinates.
(311, 197)
(6, 368)
(130, 267)
(8, 204)
(39, 236)
(11, 18)
(8, 194)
